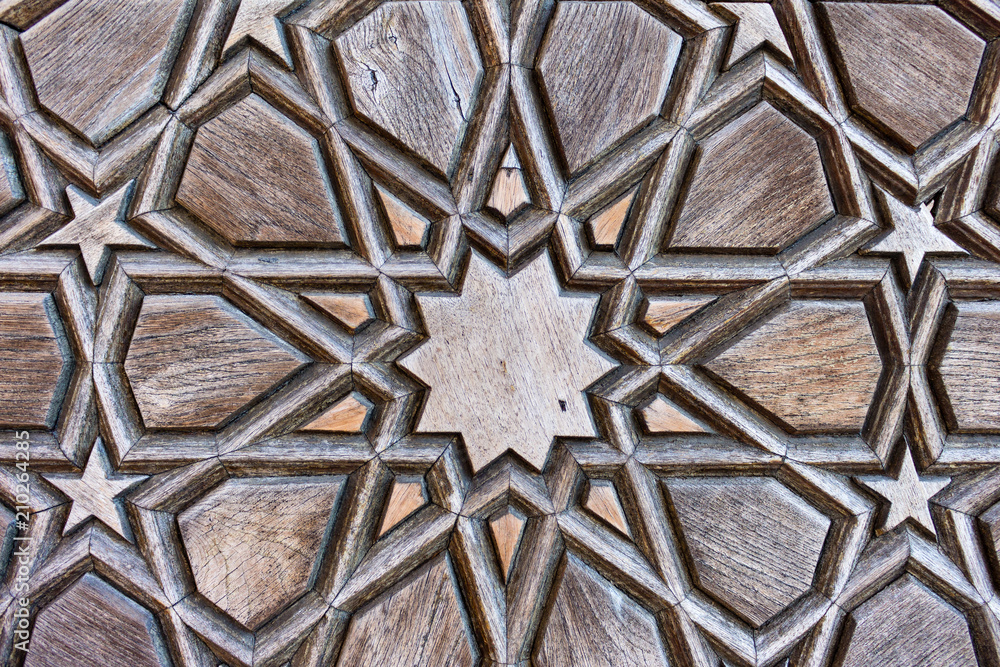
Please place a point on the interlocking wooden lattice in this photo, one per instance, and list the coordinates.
(439, 333)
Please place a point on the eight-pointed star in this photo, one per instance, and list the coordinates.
(507, 362)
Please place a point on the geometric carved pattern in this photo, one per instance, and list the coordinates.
(969, 367)
(256, 177)
(758, 186)
(177, 338)
(907, 614)
(500, 333)
(754, 544)
(34, 357)
(412, 69)
(92, 624)
(894, 85)
(626, 54)
(814, 366)
(418, 623)
(253, 543)
(78, 52)
(592, 623)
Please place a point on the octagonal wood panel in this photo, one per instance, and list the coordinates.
(423, 332)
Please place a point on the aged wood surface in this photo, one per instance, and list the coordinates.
(431, 333)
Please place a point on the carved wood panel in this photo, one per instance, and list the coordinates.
(427, 332)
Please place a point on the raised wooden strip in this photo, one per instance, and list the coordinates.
(99, 64)
(606, 224)
(11, 188)
(507, 362)
(969, 368)
(754, 544)
(920, 77)
(404, 499)
(813, 366)
(602, 500)
(409, 228)
(351, 310)
(664, 313)
(92, 624)
(34, 357)
(256, 177)
(194, 360)
(662, 416)
(594, 623)
(756, 24)
(345, 416)
(506, 530)
(758, 185)
(626, 57)
(419, 622)
(412, 69)
(906, 614)
(253, 543)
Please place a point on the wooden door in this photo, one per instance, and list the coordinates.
(533, 332)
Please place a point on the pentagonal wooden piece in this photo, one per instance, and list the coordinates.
(419, 622)
(99, 64)
(34, 355)
(753, 543)
(909, 68)
(594, 623)
(413, 70)
(758, 186)
(813, 366)
(969, 368)
(625, 56)
(253, 543)
(906, 624)
(256, 177)
(345, 416)
(92, 624)
(195, 359)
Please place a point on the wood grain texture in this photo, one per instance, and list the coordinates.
(906, 624)
(99, 65)
(350, 310)
(602, 500)
(626, 56)
(258, 20)
(592, 623)
(345, 416)
(969, 367)
(404, 499)
(662, 416)
(92, 624)
(255, 177)
(756, 25)
(506, 530)
(35, 355)
(920, 77)
(813, 365)
(413, 69)
(758, 185)
(194, 360)
(253, 543)
(409, 228)
(753, 543)
(664, 313)
(419, 622)
(606, 225)
(485, 358)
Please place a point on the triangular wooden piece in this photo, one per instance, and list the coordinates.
(351, 310)
(664, 313)
(606, 225)
(756, 24)
(509, 193)
(602, 500)
(404, 499)
(345, 416)
(409, 228)
(662, 416)
(506, 533)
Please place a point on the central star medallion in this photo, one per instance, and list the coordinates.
(507, 362)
